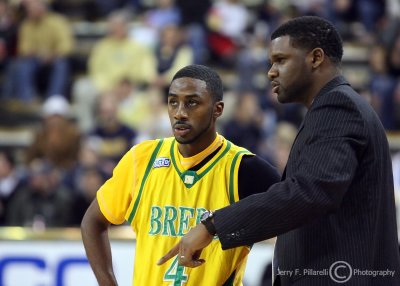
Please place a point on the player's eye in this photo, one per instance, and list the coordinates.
(193, 103)
(172, 102)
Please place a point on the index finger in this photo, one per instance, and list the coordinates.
(174, 251)
(188, 259)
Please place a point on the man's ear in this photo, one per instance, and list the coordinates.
(218, 109)
(317, 56)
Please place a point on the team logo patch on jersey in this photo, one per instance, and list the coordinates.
(189, 179)
(161, 162)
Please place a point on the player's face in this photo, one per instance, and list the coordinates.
(290, 74)
(192, 111)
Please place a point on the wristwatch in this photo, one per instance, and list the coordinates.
(206, 219)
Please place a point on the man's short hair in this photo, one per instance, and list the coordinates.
(310, 32)
(206, 74)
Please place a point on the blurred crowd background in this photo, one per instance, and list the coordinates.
(81, 81)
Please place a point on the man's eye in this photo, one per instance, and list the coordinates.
(173, 103)
(192, 103)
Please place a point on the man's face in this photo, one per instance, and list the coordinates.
(190, 110)
(290, 74)
(117, 28)
(35, 9)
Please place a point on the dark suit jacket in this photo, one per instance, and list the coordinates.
(334, 207)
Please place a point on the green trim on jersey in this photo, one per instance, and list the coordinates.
(189, 178)
(231, 184)
(146, 174)
(230, 280)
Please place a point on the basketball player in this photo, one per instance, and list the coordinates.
(163, 187)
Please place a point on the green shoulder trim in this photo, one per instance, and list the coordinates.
(231, 174)
(230, 280)
(146, 174)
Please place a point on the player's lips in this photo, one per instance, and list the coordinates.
(275, 87)
(181, 129)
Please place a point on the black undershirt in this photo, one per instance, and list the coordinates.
(255, 174)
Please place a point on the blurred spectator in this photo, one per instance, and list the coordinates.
(253, 60)
(117, 57)
(165, 13)
(89, 181)
(158, 125)
(43, 202)
(8, 41)
(357, 19)
(148, 25)
(112, 59)
(57, 141)
(113, 138)
(245, 128)
(172, 54)
(394, 57)
(381, 85)
(142, 33)
(342, 13)
(45, 42)
(280, 144)
(193, 14)
(134, 105)
(88, 158)
(272, 14)
(103, 8)
(392, 8)
(311, 7)
(11, 181)
(227, 21)
(370, 13)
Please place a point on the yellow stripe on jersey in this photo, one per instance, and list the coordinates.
(162, 201)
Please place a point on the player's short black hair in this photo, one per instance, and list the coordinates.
(206, 74)
(310, 32)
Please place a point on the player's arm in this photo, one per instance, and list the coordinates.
(256, 175)
(94, 230)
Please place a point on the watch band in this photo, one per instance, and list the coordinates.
(206, 220)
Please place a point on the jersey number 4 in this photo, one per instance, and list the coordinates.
(176, 274)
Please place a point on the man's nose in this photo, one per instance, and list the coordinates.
(272, 73)
(181, 112)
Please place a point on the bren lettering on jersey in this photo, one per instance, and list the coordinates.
(161, 162)
(173, 221)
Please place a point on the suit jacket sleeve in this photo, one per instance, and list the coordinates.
(322, 163)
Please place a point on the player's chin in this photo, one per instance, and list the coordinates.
(182, 140)
(282, 98)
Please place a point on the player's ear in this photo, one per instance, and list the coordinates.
(218, 108)
(317, 56)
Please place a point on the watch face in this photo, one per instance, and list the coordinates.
(205, 216)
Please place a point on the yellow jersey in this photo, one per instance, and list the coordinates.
(153, 188)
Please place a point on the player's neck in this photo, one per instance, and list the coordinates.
(193, 149)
